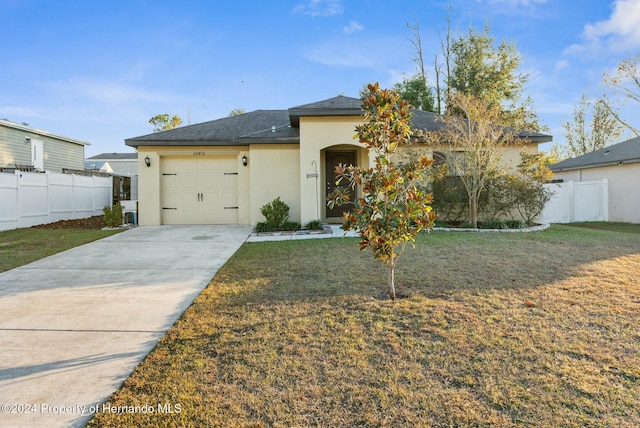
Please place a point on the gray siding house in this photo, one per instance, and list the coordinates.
(23, 146)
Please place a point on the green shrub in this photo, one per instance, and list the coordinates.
(531, 198)
(291, 226)
(262, 226)
(113, 215)
(515, 224)
(450, 200)
(275, 212)
(314, 225)
(440, 223)
(493, 224)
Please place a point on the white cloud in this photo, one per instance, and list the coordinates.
(104, 91)
(561, 65)
(357, 52)
(353, 27)
(619, 33)
(319, 8)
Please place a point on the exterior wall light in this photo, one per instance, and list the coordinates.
(147, 161)
(244, 160)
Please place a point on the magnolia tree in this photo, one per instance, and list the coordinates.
(393, 208)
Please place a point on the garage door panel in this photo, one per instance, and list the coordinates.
(200, 190)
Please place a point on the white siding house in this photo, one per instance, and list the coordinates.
(619, 164)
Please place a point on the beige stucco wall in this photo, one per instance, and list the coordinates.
(624, 188)
(150, 193)
(317, 134)
(274, 172)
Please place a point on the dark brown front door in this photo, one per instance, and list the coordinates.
(333, 159)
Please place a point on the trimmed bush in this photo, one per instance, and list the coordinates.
(276, 214)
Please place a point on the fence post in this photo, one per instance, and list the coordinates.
(605, 198)
(18, 213)
(572, 202)
(48, 182)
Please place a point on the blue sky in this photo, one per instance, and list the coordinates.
(98, 70)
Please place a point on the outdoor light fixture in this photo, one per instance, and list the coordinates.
(147, 161)
(27, 140)
(244, 160)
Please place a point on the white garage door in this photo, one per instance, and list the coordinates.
(199, 190)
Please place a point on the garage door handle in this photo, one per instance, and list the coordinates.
(230, 208)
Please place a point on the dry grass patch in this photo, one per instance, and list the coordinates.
(498, 330)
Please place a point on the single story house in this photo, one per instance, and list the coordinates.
(619, 164)
(23, 147)
(125, 164)
(225, 170)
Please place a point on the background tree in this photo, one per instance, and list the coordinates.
(473, 64)
(393, 208)
(625, 83)
(490, 73)
(473, 138)
(416, 92)
(237, 112)
(164, 122)
(585, 134)
(415, 89)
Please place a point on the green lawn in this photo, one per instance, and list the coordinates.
(21, 246)
(502, 330)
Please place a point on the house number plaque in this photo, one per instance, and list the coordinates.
(199, 154)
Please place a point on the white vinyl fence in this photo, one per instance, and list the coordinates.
(577, 201)
(28, 199)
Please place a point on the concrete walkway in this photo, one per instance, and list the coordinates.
(73, 326)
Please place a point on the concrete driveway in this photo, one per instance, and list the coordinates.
(73, 326)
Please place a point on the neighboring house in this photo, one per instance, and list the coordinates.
(123, 167)
(35, 149)
(125, 164)
(224, 171)
(619, 164)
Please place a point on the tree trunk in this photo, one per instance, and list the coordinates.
(473, 212)
(392, 286)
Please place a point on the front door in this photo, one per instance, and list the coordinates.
(333, 159)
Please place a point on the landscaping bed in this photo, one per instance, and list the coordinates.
(91, 223)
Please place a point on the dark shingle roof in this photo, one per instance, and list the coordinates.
(228, 131)
(277, 126)
(336, 106)
(428, 121)
(617, 154)
(115, 156)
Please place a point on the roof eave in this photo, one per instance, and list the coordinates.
(595, 165)
(296, 113)
(10, 124)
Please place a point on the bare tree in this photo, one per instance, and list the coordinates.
(473, 139)
(625, 83)
(585, 134)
